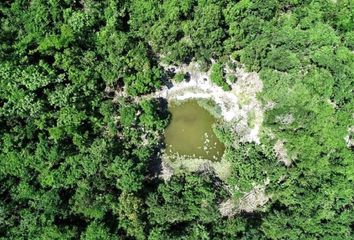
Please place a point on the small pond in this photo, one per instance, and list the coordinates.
(190, 132)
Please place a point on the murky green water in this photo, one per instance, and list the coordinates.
(190, 132)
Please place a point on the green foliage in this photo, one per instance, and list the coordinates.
(211, 107)
(96, 231)
(78, 142)
(282, 60)
(206, 29)
(179, 77)
(217, 76)
(191, 194)
(130, 215)
(252, 165)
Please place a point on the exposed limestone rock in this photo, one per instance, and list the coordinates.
(253, 200)
(250, 202)
(166, 171)
(227, 208)
(269, 105)
(281, 153)
(349, 139)
(285, 119)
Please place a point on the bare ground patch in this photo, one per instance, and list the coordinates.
(249, 203)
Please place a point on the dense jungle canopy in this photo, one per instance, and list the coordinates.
(76, 156)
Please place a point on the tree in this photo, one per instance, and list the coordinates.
(190, 194)
(217, 76)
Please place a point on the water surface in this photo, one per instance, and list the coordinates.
(190, 132)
